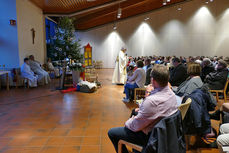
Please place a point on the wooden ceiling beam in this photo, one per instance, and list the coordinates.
(65, 7)
(127, 12)
(93, 14)
(99, 12)
(112, 16)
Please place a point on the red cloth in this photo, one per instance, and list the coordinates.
(68, 90)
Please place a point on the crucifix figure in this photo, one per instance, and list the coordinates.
(33, 34)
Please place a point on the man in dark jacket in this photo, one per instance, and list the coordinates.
(207, 67)
(148, 78)
(216, 80)
(148, 68)
(179, 73)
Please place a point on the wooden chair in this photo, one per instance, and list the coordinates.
(24, 82)
(19, 78)
(90, 75)
(224, 91)
(45, 67)
(131, 145)
(100, 64)
(51, 73)
(96, 64)
(139, 93)
(184, 107)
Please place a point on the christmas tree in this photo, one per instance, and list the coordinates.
(65, 45)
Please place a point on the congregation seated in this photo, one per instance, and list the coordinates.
(148, 79)
(148, 68)
(178, 70)
(215, 61)
(26, 72)
(167, 62)
(178, 73)
(207, 67)
(226, 59)
(43, 76)
(216, 80)
(192, 82)
(137, 80)
(147, 64)
(160, 103)
(130, 71)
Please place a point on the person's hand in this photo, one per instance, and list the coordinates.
(149, 88)
(136, 109)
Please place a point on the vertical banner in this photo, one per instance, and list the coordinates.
(88, 55)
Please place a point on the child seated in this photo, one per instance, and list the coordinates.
(130, 72)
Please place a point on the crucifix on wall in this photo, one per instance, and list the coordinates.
(33, 34)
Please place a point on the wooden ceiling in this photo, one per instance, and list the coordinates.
(92, 13)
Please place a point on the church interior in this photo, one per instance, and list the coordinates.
(86, 76)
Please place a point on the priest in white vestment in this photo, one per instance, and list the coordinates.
(119, 75)
(26, 72)
(43, 76)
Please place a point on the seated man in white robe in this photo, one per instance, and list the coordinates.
(43, 76)
(26, 72)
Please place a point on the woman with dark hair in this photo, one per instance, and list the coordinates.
(137, 80)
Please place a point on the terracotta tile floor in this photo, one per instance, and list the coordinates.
(43, 120)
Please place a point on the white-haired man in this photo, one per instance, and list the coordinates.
(43, 76)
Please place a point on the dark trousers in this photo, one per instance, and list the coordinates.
(123, 133)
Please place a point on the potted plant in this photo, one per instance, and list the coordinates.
(76, 68)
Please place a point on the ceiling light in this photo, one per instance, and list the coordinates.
(206, 2)
(119, 11)
(211, 0)
(168, 0)
(164, 2)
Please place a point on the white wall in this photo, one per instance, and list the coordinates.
(8, 35)
(199, 29)
(30, 16)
